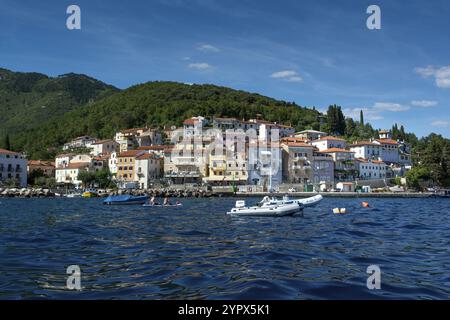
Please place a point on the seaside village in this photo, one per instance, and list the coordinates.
(259, 156)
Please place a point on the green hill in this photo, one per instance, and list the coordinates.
(156, 104)
(29, 99)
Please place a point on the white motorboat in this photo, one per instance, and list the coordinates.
(306, 202)
(265, 209)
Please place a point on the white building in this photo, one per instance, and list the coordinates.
(104, 147)
(148, 167)
(69, 173)
(79, 142)
(63, 160)
(366, 150)
(13, 166)
(112, 163)
(133, 138)
(323, 171)
(371, 169)
(310, 135)
(328, 142)
(389, 150)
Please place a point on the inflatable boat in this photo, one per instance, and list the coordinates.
(265, 210)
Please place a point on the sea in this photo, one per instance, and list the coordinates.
(197, 251)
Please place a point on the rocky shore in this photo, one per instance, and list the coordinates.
(47, 193)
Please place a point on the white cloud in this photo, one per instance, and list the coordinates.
(200, 66)
(369, 114)
(287, 75)
(424, 103)
(440, 123)
(208, 47)
(375, 112)
(389, 106)
(441, 75)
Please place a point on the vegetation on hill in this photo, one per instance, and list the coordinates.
(29, 99)
(158, 104)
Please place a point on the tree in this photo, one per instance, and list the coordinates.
(86, 177)
(336, 120)
(361, 118)
(7, 143)
(104, 178)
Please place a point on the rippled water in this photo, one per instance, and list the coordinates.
(198, 252)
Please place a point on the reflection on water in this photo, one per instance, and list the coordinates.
(198, 252)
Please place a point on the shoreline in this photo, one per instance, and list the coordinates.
(198, 193)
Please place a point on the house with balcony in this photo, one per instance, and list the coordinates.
(323, 171)
(297, 159)
(131, 139)
(344, 164)
(13, 168)
(69, 173)
(79, 142)
(148, 168)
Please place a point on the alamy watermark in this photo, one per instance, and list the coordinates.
(374, 20)
(73, 22)
(374, 280)
(74, 278)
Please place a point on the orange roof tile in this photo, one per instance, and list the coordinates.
(4, 151)
(334, 150)
(387, 141)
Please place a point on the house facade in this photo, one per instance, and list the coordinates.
(328, 142)
(371, 169)
(13, 167)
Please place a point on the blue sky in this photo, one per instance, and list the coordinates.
(313, 52)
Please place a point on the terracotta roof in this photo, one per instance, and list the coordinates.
(41, 163)
(129, 154)
(333, 150)
(329, 138)
(367, 161)
(387, 141)
(297, 144)
(158, 147)
(4, 151)
(190, 122)
(293, 139)
(76, 165)
(147, 156)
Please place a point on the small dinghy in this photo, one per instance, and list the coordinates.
(125, 200)
(265, 210)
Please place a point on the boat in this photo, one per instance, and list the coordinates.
(162, 205)
(306, 202)
(125, 200)
(265, 209)
(90, 193)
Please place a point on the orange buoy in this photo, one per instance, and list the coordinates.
(365, 204)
